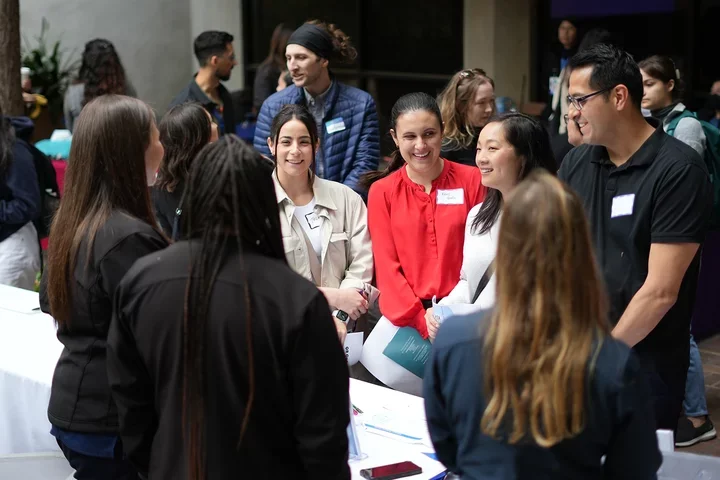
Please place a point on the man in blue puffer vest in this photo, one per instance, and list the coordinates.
(346, 116)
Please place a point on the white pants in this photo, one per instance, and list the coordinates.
(20, 258)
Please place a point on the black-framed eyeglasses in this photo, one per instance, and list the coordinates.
(578, 102)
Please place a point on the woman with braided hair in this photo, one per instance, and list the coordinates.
(225, 363)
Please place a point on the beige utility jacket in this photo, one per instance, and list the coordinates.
(346, 259)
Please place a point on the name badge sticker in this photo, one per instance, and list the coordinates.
(456, 196)
(335, 125)
(313, 220)
(622, 205)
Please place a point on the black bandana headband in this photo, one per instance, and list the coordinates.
(314, 38)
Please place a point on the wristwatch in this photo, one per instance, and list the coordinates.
(342, 316)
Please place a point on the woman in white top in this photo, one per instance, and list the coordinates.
(324, 223)
(508, 149)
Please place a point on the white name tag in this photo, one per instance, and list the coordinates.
(353, 347)
(313, 220)
(335, 125)
(622, 205)
(456, 196)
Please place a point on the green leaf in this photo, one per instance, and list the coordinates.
(51, 70)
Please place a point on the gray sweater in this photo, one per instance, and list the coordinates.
(74, 96)
(688, 130)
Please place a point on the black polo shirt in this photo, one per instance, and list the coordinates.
(226, 112)
(662, 194)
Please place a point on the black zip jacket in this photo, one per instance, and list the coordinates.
(298, 420)
(80, 399)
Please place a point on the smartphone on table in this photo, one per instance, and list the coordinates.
(389, 472)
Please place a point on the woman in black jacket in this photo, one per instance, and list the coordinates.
(184, 131)
(224, 363)
(105, 222)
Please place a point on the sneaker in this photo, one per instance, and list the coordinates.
(687, 435)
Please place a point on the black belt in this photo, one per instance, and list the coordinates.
(426, 303)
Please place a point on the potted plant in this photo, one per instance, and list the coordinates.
(51, 71)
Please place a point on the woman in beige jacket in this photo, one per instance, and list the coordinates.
(324, 223)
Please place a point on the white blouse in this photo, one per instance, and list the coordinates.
(478, 252)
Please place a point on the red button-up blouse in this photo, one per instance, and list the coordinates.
(417, 238)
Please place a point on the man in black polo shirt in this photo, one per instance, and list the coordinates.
(648, 199)
(216, 56)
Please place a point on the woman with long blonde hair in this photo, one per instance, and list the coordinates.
(467, 103)
(554, 392)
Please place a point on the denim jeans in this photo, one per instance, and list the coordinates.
(694, 404)
(95, 468)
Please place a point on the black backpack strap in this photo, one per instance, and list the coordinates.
(484, 280)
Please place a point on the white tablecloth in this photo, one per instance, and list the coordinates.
(379, 403)
(29, 351)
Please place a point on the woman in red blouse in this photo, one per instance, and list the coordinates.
(417, 209)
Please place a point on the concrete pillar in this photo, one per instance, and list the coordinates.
(150, 37)
(496, 38)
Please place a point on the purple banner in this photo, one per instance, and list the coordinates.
(582, 8)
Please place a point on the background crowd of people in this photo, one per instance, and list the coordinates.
(551, 262)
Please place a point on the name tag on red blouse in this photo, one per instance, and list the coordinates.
(456, 196)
